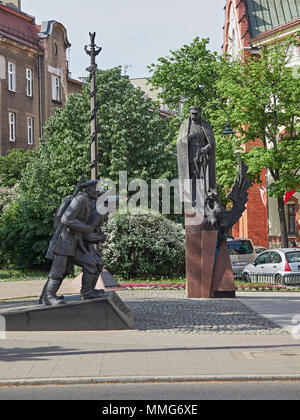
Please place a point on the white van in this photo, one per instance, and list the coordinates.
(242, 253)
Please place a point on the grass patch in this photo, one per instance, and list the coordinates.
(7, 275)
(21, 275)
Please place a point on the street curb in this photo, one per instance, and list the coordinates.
(148, 379)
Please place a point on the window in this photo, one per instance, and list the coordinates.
(30, 130)
(29, 82)
(55, 49)
(275, 258)
(293, 257)
(291, 210)
(56, 88)
(263, 258)
(12, 77)
(12, 126)
(239, 247)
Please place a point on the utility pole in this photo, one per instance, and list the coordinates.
(93, 51)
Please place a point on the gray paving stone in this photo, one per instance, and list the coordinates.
(170, 311)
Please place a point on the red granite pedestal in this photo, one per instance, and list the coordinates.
(209, 274)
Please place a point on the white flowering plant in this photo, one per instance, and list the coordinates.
(144, 246)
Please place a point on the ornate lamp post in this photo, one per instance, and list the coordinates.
(93, 51)
(227, 129)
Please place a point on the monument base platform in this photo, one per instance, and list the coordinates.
(208, 268)
(106, 313)
(224, 295)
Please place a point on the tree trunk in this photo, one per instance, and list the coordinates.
(282, 221)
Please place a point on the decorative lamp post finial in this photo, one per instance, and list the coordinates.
(93, 51)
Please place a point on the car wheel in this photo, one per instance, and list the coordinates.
(279, 279)
(246, 277)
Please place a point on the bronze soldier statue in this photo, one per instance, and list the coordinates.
(78, 228)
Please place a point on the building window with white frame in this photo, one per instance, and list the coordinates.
(56, 88)
(11, 77)
(29, 82)
(30, 130)
(12, 126)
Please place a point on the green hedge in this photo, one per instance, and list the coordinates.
(144, 245)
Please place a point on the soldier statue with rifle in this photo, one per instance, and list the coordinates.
(77, 230)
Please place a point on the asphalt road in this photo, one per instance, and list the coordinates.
(157, 392)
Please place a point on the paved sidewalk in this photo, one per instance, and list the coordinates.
(281, 308)
(33, 288)
(244, 346)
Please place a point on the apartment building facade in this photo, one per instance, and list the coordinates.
(34, 76)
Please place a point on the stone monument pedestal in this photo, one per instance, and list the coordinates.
(208, 269)
(106, 313)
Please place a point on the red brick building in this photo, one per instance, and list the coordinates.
(34, 76)
(248, 25)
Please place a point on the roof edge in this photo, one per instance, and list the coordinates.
(47, 28)
(17, 12)
(266, 34)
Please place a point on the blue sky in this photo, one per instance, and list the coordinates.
(131, 32)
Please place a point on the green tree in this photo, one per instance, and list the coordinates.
(12, 165)
(189, 74)
(263, 97)
(132, 137)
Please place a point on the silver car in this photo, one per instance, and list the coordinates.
(260, 249)
(279, 263)
(241, 252)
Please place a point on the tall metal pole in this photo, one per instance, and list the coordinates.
(93, 51)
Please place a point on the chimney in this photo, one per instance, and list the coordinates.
(16, 4)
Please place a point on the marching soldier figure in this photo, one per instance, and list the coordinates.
(77, 225)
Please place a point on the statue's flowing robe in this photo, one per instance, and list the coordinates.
(183, 161)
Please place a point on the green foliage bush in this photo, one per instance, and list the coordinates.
(12, 165)
(24, 237)
(7, 195)
(144, 246)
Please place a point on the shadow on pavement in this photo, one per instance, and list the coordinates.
(45, 353)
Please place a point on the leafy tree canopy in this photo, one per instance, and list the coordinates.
(263, 97)
(12, 165)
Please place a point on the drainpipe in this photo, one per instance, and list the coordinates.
(40, 95)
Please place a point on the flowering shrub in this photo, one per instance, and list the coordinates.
(143, 246)
(261, 287)
(7, 195)
(153, 285)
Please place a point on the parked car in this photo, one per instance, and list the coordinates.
(278, 262)
(241, 251)
(260, 249)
